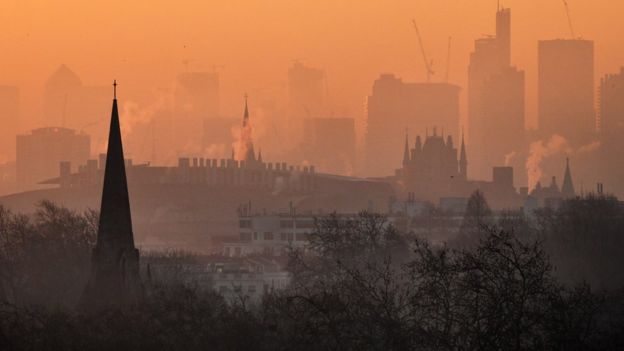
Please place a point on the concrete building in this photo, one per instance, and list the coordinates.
(9, 120)
(566, 90)
(611, 95)
(394, 106)
(270, 234)
(40, 153)
(495, 99)
(306, 96)
(329, 143)
(69, 103)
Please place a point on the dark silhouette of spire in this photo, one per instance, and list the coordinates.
(259, 155)
(115, 220)
(463, 160)
(567, 188)
(406, 152)
(246, 113)
(250, 155)
(115, 261)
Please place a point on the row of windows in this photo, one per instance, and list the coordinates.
(298, 224)
(252, 289)
(271, 236)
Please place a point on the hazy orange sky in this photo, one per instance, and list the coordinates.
(143, 43)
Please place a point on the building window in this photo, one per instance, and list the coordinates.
(291, 236)
(284, 236)
(302, 236)
(305, 224)
(245, 236)
(286, 224)
(244, 223)
(268, 236)
(255, 236)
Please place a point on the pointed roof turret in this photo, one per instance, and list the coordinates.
(553, 184)
(246, 113)
(259, 155)
(418, 145)
(462, 154)
(567, 188)
(406, 153)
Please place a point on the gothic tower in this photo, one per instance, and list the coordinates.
(567, 188)
(463, 160)
(114, 277)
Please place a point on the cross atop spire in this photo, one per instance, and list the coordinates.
(115, 89)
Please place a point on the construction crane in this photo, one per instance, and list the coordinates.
(428, 64)
(448, 60)
(567, 8)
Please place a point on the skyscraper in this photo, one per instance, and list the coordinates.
(9, 120)
(495, 99)
(114, 277)
(566, 90)
(306, 91)
(68, 103)
(612, 106)
(395, 105)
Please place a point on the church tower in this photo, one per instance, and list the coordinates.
(567, 188)
(463, 161)
(246, 147)
(114, 277)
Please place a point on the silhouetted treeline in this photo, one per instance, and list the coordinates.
(45, 258)
(361, 285)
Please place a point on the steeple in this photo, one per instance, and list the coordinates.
(463, 160)
(246, 113)
(259, 155)
(115, 261)
(567, 188)
(246, 141)
(406, 153)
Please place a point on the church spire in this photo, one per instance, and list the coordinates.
(246, 113)
(463, 160)
(115, 263)
(567, 188)
(406, 152)
(246, 140)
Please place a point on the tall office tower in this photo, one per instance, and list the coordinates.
(503, 118)
(306, 96)
(68, 103)
(329, 144)
(495, 99)
(611, 122)
(196, 98)
(394, 106)
(611, 105)
(566, 90)
(9, 120)
(40, 153)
